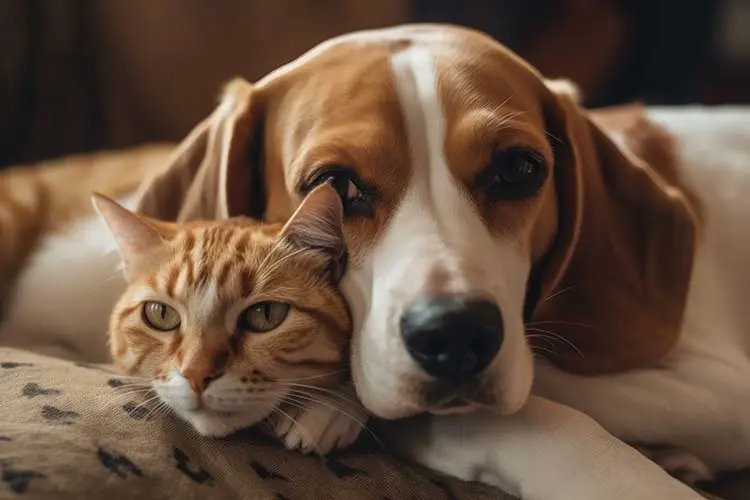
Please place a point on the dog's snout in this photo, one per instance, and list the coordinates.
(452, 337)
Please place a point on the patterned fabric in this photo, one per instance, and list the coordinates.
(76, 431)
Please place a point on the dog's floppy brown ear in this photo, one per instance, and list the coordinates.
(616, 281)
(210, 173)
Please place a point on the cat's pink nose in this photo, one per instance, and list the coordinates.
(199, 379)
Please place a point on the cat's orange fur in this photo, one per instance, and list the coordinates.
(212, 369)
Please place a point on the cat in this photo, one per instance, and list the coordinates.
(235, 322)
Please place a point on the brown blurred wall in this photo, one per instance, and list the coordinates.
(86, 74)
(79, 75)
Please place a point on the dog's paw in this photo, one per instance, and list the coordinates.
(319, 427)
(680, 464)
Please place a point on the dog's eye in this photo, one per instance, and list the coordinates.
(514, 174)
(355, 196)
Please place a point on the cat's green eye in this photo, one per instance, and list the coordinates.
(160, 316)
(263, 316)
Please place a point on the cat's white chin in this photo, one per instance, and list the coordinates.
(211, 423)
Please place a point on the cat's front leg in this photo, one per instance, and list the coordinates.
(322, 424)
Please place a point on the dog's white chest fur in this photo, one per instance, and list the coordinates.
(700, 399)
(62, 300)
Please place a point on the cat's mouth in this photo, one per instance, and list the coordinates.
(215, 423)
(222, 414)
(215, 415)
(219, 423)
(202, 409)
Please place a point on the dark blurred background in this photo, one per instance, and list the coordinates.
(79, 75)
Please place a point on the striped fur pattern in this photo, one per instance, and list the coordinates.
(211, 370)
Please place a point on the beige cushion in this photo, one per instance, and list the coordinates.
(72, 431)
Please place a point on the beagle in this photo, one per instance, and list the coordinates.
(489, 219)
(533, 286)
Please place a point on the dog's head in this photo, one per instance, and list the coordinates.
(484, 212)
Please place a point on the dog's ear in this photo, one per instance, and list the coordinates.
(616, 280)
(211, 173)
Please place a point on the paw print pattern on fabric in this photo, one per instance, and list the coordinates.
(137, 411)
(32, 390)
(192, 471)
(119, 464)
(264, 473)
(19, 480)
(10, 364)
(54, 414)
(115, 383)
(340, 469)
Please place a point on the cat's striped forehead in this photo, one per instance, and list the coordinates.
(224, 257)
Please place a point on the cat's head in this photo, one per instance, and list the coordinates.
(231, 318)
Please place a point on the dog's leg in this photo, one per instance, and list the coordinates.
(546, 451)
(698, 405)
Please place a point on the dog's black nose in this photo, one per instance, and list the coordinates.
(452, 337)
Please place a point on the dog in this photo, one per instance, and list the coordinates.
(490, 219)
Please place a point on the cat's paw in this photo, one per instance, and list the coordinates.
(680, 464)
(319, 427)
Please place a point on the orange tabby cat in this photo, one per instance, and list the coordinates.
(233, 321)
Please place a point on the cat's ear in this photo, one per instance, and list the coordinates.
(317, 224)
(135, 236)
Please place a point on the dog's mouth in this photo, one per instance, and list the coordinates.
(442, 397)
(456, 405)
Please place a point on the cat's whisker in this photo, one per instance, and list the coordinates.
(140, 384)
(162, 410)
(272, 253)
(333, 398)
(301, 397)
(136, 393)
(323, 391)
(266, 426)
(323, 375)
(125, 389)
(146, 402)
(107, 279)
(121, 397)
(267, 272)
(123, 376)
(272, 269)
